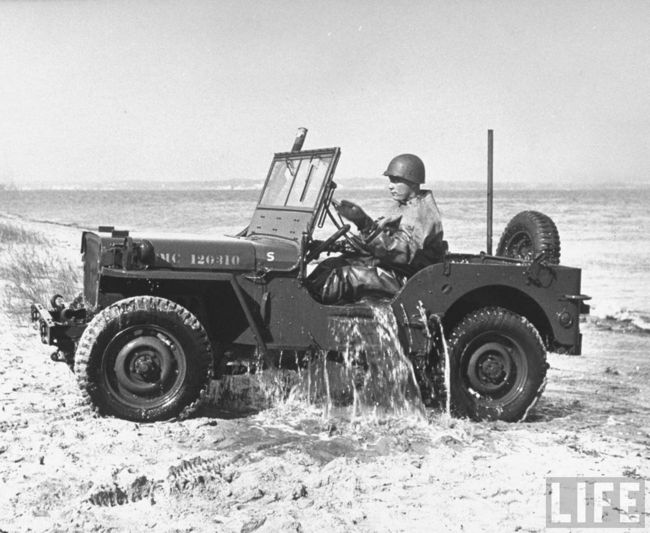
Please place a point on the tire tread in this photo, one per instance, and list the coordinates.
(540, 227)
(498, 318)
(114, 312)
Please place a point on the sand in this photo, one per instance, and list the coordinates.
(291, 468)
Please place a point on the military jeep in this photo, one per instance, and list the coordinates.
(163, 315)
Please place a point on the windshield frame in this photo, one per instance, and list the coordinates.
(304, 217)
(297, 159)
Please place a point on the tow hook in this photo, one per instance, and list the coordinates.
(58, 356)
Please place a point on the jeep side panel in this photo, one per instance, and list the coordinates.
(543, 294)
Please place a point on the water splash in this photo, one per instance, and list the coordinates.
(447, 371)
(377, 372)
(252, 392)
(369, 376)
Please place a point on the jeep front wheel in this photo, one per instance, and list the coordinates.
(144, 359)
(498, 366)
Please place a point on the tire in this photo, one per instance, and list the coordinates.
(498, 366)
(528, 234)
(144, 359)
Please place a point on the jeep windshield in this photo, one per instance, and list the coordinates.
(295, 181)
(293, 196)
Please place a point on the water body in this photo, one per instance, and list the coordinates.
(606, 232)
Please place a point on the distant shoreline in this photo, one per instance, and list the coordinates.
(250, 185)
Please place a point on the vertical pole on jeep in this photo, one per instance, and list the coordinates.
(490, 164)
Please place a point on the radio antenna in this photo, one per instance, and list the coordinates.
(490, 169)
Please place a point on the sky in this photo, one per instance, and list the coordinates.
(98, 91)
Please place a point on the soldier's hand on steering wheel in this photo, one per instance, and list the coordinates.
(391, 220)
(352, 212)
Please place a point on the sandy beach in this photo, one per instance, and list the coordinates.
(290, 468)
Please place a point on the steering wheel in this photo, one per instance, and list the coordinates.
(315, 252)
(355, 241)
(343, 230)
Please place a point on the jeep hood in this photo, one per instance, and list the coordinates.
(199, 252)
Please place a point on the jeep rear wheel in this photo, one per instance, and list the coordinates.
(144, 359)
(498, 366)
(528, 234)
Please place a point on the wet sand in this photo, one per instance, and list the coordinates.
(290, 468)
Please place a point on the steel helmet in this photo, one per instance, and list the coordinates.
(409, 167)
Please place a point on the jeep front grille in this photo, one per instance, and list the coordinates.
(92, 254)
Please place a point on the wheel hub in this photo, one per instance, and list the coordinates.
(521, 246)
(144, 364)
(489, 367)
(147, 367)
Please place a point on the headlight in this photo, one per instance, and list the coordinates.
(145, 253)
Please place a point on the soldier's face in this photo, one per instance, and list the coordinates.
(401, 190)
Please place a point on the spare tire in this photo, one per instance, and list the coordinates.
(528, 234)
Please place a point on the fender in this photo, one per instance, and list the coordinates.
(450, 290)
(110, 274)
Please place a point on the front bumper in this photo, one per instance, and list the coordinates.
(61, 327)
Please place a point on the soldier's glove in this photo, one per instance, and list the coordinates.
(353, 213)
(389, 223)
(335, 247)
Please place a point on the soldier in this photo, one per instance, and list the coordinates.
(406, 240)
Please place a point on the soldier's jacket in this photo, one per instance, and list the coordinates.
(416, 241)
(410, 243)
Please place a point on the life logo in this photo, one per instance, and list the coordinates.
(593, 502)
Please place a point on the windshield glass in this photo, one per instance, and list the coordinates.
(296, 181)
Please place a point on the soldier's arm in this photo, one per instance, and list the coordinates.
(397, 246)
